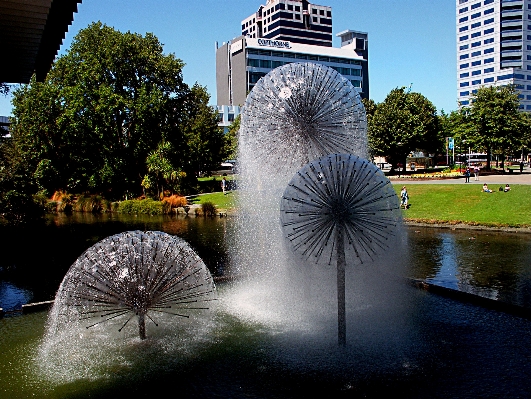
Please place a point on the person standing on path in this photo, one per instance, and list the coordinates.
(224, 185)
(476, 173)
(467, 175)
(404, 197)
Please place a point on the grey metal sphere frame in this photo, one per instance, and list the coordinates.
(339, 208)
(135, 274)
(299, 112)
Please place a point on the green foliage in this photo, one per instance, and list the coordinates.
(231, 139)
(208, 208)
(146, 206)
(109, 107)
(91, 203)
(404, 122)
(219, 199)
(493, 122)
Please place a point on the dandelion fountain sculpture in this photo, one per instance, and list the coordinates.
(339, 208)
(133, 274)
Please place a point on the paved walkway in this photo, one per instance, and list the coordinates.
(498, 179)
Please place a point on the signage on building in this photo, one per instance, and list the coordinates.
(236, 46)
(274, 43)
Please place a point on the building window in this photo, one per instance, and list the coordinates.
(487, 31)
(464, 75)
(465, 37)
(462, 10)
(505, 77)
(519, 76)
(463, 19)
(298, 8)
(488, 70)
(488, 21)
(476, 82)
(329, 14)
(476, 63)
(475, 34)
(463, 84)
(462, 66)
(488, 80)
(290, 7)
(488, 2)
(488, 50)
(476, 15)
(474, 6)
(475, 44)
(489, 11)
(465, 46)
(356, 83)
(314, 19)
(475, 25)
(463, 56)
(476, 53)
(321, 12)
(465, 102)
(297, 16)
(463, 28)
(464, 93)
(477, 72)
(488, 60)
(487, 41)
(314, 11)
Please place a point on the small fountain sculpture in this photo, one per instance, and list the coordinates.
(133, 274)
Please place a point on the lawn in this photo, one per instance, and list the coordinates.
(222, 201)
(444, 203)
(466, 203)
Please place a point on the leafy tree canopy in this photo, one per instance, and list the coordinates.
(404, 122)
(106, 106)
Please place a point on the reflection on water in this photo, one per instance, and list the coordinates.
(495, 265)
(492, 264)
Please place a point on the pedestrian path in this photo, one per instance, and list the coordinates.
(508, 178)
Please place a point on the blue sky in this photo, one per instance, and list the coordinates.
(410, 41)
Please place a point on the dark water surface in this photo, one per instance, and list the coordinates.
(428, 346)
(34, 260)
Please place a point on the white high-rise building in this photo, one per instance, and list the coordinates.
(493, 47)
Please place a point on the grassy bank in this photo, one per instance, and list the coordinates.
(446, 203)
(454, 203)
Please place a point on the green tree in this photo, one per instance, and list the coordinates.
(231, 138)
(493, 122)
(404, 122)
(105, 105)
(204, 138)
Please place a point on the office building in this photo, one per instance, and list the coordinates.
(282, 32)
(493, 47)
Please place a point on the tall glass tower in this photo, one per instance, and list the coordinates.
(493, 47)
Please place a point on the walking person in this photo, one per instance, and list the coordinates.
(224, 185)
(476, 173)
(467, 175)
(404, 197)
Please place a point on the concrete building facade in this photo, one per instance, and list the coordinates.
(493, 47)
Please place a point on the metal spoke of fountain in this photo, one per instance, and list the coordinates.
(135, 274)
(299, 112)
(339, 207)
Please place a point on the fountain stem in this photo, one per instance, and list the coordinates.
(341, 314)
(141, 326)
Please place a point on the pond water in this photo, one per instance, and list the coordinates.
(420, 346)
(34, 260)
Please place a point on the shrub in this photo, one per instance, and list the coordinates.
(146, 206)
(208, 208)
(175, 201)
(93, 203)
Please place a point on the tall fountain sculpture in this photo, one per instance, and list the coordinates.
(133, 274)
(295, 114)
(339, 208)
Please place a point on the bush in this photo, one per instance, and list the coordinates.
(146, 206)
(93, 203)
(175, 201)
(208, 208)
